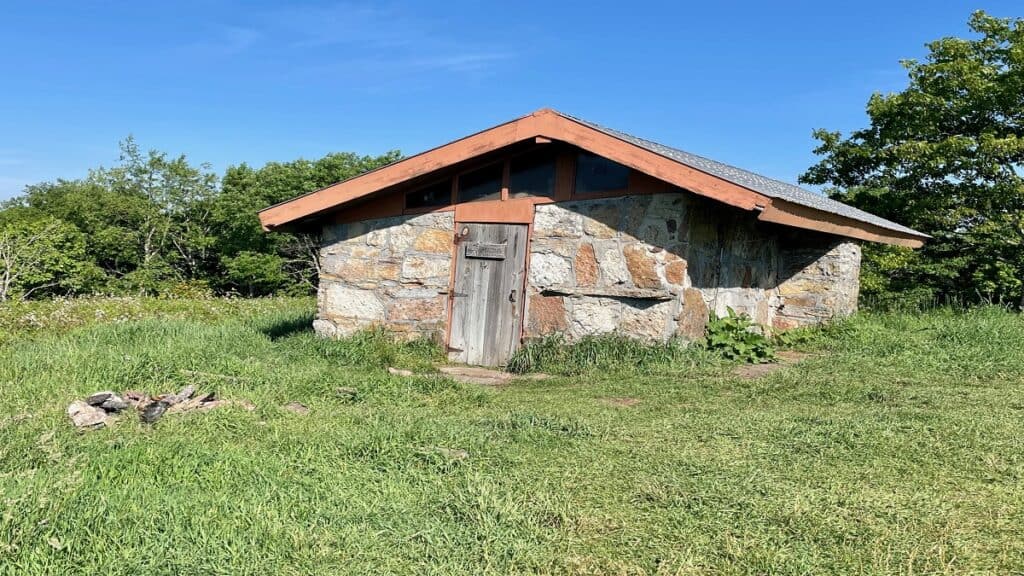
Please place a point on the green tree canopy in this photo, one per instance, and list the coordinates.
(147, 217)
(943, 156)
(158, 224)
(247, 190)
(41, 255)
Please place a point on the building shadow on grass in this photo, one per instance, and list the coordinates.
(284, 328)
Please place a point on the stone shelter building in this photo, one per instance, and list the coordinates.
(552, 224)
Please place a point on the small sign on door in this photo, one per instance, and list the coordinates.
(484, 250)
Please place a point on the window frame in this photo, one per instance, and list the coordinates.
(558, 165)
(502, 182)
(577, 194)
(406, 209)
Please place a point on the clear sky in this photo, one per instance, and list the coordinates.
(227, 82)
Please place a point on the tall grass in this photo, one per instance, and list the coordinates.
(607, 353)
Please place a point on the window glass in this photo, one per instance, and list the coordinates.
(595, 174)
(482, 184)
(439, 194)
(532, 174)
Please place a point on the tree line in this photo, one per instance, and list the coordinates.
(943, 156)
(158, 225)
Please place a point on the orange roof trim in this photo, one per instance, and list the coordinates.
(635, 153)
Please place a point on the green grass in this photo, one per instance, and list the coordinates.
(896, 448)
(595, 354)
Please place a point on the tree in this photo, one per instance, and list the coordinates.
(157, 224)
(41, 255)
(255, 273)
(146, 221)
(246, 190)
(174, 228)
(943, 156)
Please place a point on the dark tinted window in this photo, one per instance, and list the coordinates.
(439, 194)
(532, 174)
(482, 184)
(596, 174)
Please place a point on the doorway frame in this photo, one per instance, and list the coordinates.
(499, 213)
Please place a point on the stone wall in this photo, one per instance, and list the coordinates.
(610, 265)
(647, 266)
(733, 260)
(821, 279)
(654, 266)
(391, 271)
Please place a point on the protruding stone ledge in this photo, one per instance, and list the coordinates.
(636, 293)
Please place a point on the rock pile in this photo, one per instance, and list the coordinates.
(102, 408)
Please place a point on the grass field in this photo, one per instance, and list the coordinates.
(895, 448)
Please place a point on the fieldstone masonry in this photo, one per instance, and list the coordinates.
(819, 283)
(646, 266)
(611, 265)
(653, 267)
(391, 271)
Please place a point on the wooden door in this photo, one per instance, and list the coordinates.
(487, 304)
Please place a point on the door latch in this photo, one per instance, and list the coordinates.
(512, 296)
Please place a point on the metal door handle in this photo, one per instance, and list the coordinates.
(512, 296)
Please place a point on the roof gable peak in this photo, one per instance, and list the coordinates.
(775, 200)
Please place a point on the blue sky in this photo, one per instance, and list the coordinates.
(229, 82)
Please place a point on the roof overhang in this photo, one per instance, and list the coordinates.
(552, 125)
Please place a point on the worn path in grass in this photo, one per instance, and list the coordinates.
(896, 448)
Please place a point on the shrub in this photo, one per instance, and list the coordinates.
(189, 290)
(256, 274)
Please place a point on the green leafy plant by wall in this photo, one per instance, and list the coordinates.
(736, 337)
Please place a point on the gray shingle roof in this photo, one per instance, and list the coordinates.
(762, 184)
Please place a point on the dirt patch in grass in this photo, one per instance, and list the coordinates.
(485, 376)
(792, 356)
(785, 358)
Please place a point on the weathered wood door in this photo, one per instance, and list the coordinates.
(487, 304)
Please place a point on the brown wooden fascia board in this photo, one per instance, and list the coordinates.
(771, 209)
(791, 214)
(421, 164)
(551, 125)
(638, 158)
(543, 123)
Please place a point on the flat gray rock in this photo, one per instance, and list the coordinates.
(346, 393)
(485, 376)
(185, 394)
(85, 416)
(98, 398)
(114, 403)
(476, 375)
(154, 411)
